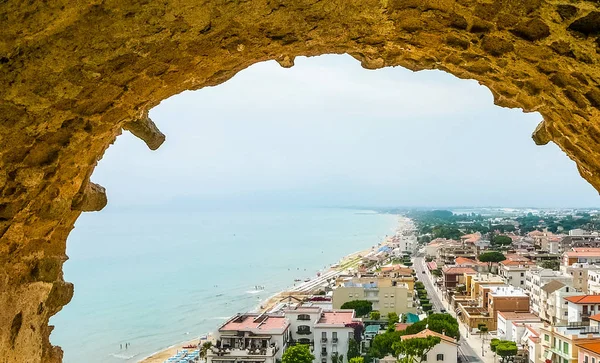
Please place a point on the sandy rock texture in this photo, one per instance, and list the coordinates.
(73, 75)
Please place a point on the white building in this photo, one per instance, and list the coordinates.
(537, 277)
(579, 272)
(554, 308)
(328, 331)
(511, 326)
(513, 272)
(593, 282)
(250, 338)
(446, 351)
(581, 307)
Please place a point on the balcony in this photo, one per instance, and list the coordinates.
(303, 332)
(237, 352)
(324, 353)
(334, 340)
(323, 340)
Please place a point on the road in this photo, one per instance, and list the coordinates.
(464, 349)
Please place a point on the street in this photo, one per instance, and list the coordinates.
(464, 349)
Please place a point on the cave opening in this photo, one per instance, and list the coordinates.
(325, 133)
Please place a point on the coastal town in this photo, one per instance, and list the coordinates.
(514, 287)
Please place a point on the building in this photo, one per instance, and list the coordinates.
(536, 278)
(387, 294)
(327, 331)
(431, 249)
(531, 338)
(553, 306)
(581, 255)
(446, 351)
(454, 276)
(447, 253)
(513, 271)
(589, 352)
(478, 266)
(593, 282)
(579, 273)
(581, 307)
(559, 344)
(251, 338)
(499, 298)
(511, 325)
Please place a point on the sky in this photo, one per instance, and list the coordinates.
(327, 132)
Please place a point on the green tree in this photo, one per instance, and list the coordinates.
(491, 257)
(204, 349)
(552, 264)
(437, 272)
(439, 323)
(381, 345)
(427, 307)
(393, 318)
(297, 354)
(357, 360)
(493, 344)
(415, 350)
(375, 315)
(353, 350)
(419, 285)
(506, 349)
(361, 307)
(501, 240)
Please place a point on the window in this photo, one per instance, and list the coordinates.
(585, 359)
(566, 347)
(440, 357)
(521, 282)
(522, 274)
(324, 335)
(593, 360)
(350, 295)
(385, 305)
(303, 317)
(386, 295)
(391, 305)
(392, 296)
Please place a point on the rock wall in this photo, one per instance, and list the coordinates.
(74, 75)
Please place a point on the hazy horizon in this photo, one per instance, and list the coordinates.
(328, 133)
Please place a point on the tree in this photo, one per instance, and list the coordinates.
(506, 349)
(501, 240)
(381, 345)
(437, 272)
(297, 354)
(204, 349)
(393, 318)
(415, 350)
(361, 307)
(551, 264)
(375, 315)
(353, 350)
(439, 323)
(357, 360)
(427, 307)
(419, 285)
(491, 257)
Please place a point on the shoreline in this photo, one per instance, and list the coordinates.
(349, 261)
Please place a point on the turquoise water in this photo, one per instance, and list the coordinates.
(155, 277)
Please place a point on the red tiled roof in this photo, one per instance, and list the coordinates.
(427, 333)
(337, 317)
(517, 263)
(464, 261)
(584, 299)
(593, 347)
(252, 321)
(595, 317)
(402, 326)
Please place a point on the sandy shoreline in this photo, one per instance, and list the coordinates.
(349, 261)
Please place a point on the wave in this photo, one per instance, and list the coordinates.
(253, 291)
(123, 356)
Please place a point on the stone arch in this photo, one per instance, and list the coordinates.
(73, 76)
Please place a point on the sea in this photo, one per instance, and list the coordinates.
(157, 276)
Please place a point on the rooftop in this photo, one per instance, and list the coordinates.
(589, 252)
(552, 286)
(337, 317)
(584, 299)
(592, 347)
(256, 322)
(427, 333)
(520, 263)
(512, 315)
(507, 291)
(595, 317)
(449, 270)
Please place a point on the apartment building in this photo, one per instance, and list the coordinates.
(500, 298)
(579, 273)
(593, 282)
(511, 325)
(251, 337)
(559, 344)
(513, 271)
(581, 307)
(449, 252)
(386, 294)
(536, 278)
(553, 306)
(328, 332)
(454, 276)
(581, 255)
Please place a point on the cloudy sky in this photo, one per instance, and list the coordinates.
(329, 133)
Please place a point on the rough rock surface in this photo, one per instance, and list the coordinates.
(74, 74)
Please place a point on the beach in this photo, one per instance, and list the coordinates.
(304, 289)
